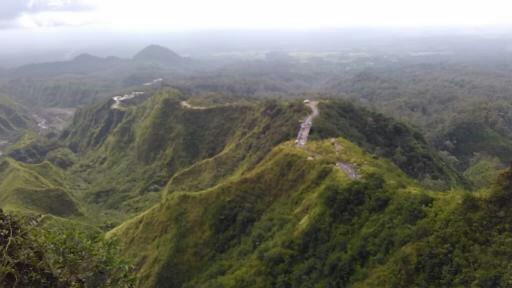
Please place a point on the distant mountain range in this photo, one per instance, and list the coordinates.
(87, 64)
(87, 78)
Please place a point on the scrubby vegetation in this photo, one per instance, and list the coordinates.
(212, 192)
(119, 160)
(257, 221)
(385, 137)
(14, 119)
(221, 197)
(313, 227)
(455, 250)
(51, 256)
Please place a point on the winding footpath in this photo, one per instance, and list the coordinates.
(349, 169)
(118, 100)
(156, 81)
(305, 126)
(185, 104)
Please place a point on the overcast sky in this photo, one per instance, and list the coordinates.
(31, 25)
(220, 14)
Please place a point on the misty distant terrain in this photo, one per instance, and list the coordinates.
(311, 158)
(248, 44)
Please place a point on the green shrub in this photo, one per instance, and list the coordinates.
(34, 256)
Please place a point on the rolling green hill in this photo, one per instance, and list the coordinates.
(297, 220)
(220, 196)
(168, 146)
(195, 179)
(121, 160)
(196, 236)
(86, 79)
(40, 188)
(385, 137)
(13, 118)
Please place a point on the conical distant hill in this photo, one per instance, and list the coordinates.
(155, 53)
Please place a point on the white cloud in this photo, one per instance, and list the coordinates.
(157, 15)
(59, 5)
(56, 19)
(35, 13)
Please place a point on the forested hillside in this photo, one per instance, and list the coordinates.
(178, 172)
(210, 186)
(119, 160)
(294, 221)
(13, 118)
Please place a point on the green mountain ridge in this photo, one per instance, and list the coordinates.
(183, 172)
(13, 118)
(220, 196)
(168, 147)
(297, 220)
(196, 228)
(87, 79)
(37, 188)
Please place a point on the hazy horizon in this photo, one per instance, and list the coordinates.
(132, 16)
(30, 47)
(52, 30)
